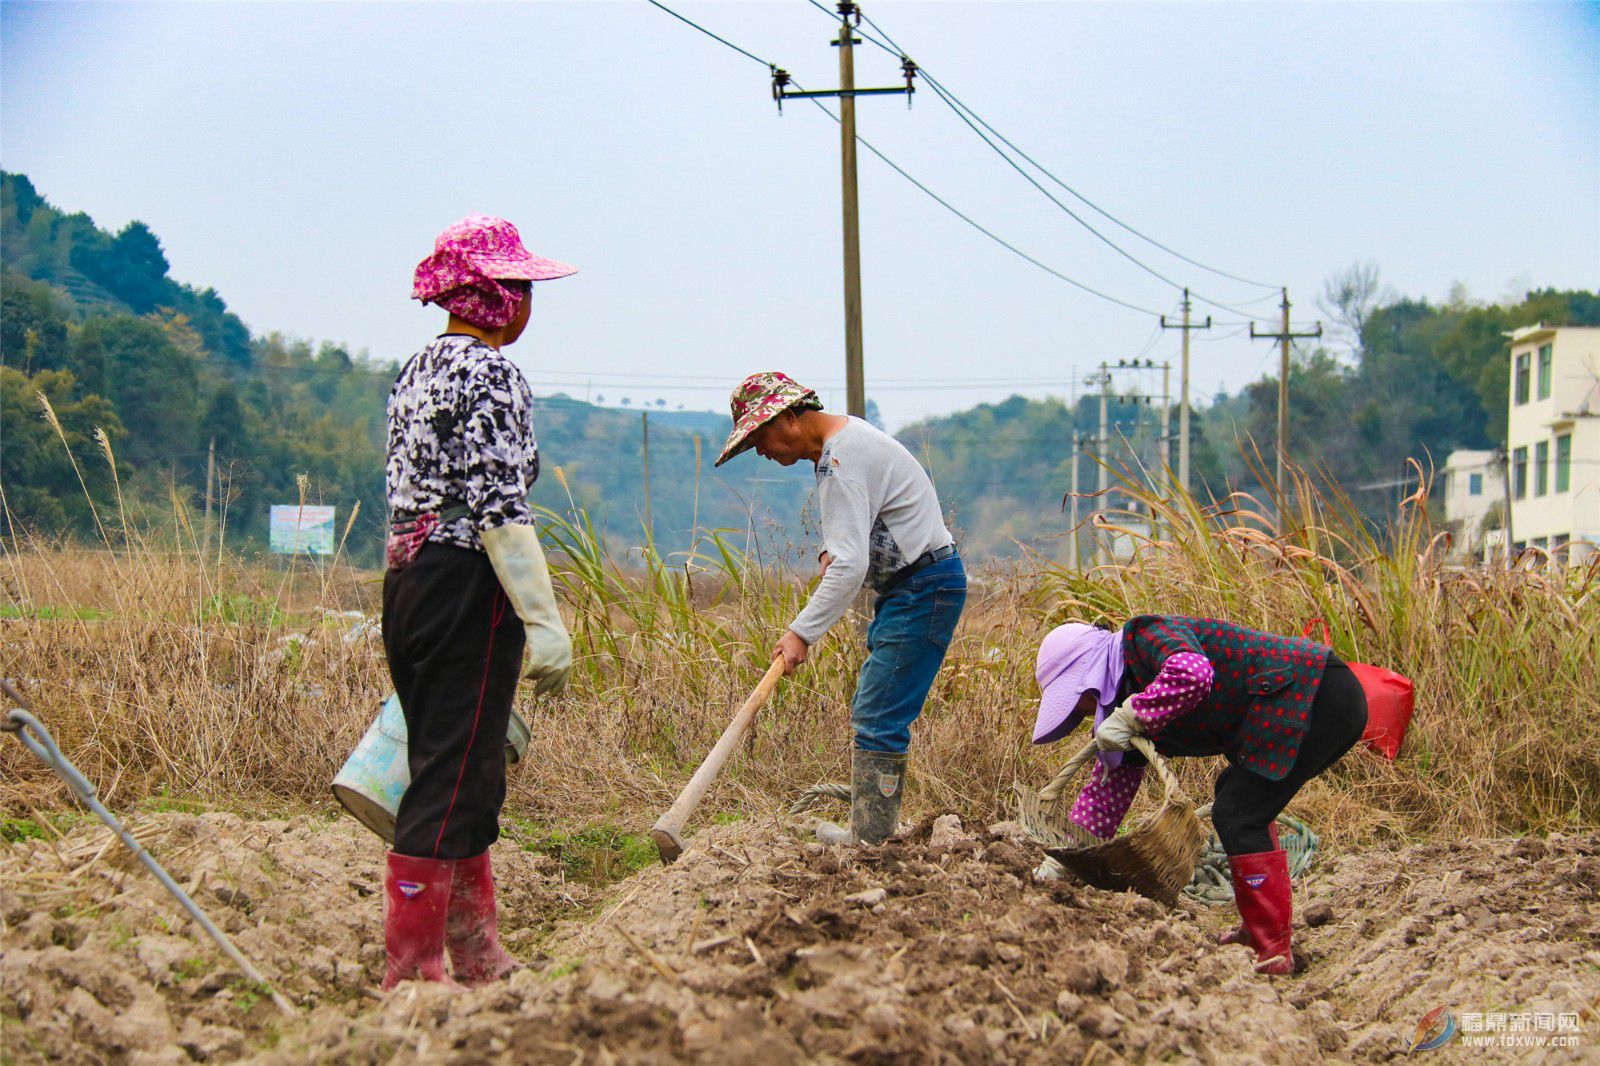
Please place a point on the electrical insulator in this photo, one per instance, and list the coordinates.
(780, 81)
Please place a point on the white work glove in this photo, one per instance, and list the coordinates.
(518, 562)
(1116, 733)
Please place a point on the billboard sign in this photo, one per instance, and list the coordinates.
(293, 528)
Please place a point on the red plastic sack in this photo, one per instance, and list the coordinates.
(1391, 698)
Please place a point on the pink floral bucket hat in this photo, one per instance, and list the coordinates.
(469, 260)
(758, 400)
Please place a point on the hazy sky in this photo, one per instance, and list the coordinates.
(300, 158)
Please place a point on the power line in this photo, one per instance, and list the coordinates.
(948, 206)
(929, 192)
(962, 111)
(708, 33)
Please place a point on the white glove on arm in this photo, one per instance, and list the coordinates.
(518, 562)
(1116, 733)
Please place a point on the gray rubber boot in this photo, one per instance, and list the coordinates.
(877, 783)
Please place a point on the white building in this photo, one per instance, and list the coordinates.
(1474, 485)
(1553, 439)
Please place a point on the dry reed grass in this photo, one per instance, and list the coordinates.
(166, 672)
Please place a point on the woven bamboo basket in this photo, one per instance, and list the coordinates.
(1156, 858)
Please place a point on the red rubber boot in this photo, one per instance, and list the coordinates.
(416, 897)
(1241, 935)
(1261, 890)
(471, 929)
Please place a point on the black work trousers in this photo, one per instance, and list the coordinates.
(454, 647)
(1247, 803)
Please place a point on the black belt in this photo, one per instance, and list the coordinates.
(921, 562)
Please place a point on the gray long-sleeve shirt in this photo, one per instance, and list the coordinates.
(879, 513)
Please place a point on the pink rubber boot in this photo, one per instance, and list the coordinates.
(416, 897)
(471, 928)
(1261, 890)
(1241, 935)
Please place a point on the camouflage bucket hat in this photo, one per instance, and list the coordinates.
(758, 400)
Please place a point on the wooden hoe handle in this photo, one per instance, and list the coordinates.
(668, 830)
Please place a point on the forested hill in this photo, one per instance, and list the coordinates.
(1412, 379)
(93, 322)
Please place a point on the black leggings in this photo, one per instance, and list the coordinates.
(1247, 803)
(454, 647)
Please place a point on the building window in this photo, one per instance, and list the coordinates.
(1541, 468)
(1522, 380)
(1519, 473)
(1564, 462)
(1474, 484)
(1544, 372)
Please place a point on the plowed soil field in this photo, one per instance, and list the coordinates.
(757, 946)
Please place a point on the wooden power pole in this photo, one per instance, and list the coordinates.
(1183, 389)
(854, 372)
(1283, 336)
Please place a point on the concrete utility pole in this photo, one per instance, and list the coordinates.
(1102, 444)
(854, 372)
(644, 427)
(1078, 441)
(1502, 459)
(1183, 389)
(211, 481)
(1165, 439)
(1283, 336)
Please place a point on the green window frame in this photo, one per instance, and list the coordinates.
(1541, 468)
(1522, 379)
(1519, 473)
(1546, 359)
(1564, 463)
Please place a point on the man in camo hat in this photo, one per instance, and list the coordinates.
(882, 527)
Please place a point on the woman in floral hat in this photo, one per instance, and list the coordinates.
(1281, 709)
(467, 590)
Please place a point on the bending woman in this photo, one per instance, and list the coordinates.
(1281, 710)
(466, 589)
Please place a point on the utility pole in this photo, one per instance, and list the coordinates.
(1183, 389)
(854, 373)
(1502, 458)
(211, 481)
(1078, 441)
(1102, 443)
(644, 423)
(1165, 438)
(1283, 336)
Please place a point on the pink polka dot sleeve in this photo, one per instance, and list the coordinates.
(1105, 800)
(1182, 685)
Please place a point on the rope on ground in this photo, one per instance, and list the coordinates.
(1213, 880)
(32, 734)
(817, 794)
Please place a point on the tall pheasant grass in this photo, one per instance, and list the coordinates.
(170, 672)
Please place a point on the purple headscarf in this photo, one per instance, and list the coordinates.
(1074, 658)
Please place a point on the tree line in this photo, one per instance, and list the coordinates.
(101, 351)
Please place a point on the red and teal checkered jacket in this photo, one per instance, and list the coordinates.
(1200, 686)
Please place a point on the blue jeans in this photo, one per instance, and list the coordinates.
(912, 624)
